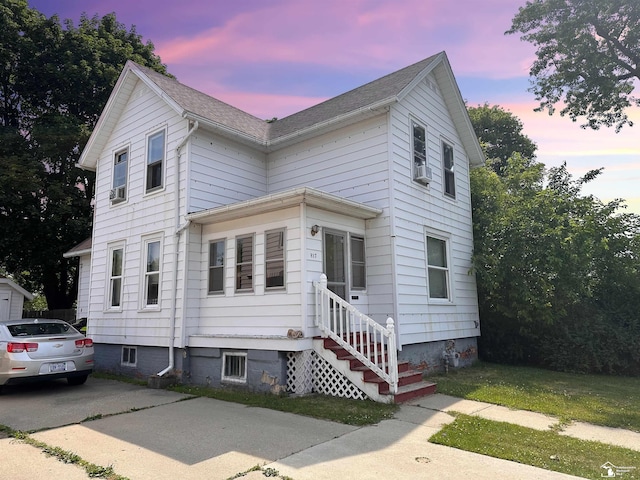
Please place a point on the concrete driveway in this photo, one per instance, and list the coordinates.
(156, 434)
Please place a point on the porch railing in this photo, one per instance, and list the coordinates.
(371, 343)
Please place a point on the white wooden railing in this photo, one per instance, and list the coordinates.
(364, 338)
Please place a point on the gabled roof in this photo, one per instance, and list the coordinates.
(16, 287)
(357, 104)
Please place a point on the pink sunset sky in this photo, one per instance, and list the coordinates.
(272, 58)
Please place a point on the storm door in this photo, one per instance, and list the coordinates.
(335, 262)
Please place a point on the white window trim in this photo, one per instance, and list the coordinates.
(128, 364)
(233, 379)
(283, 232)
(154, 190)
(107, 298)
(445, 237)
(143, 273)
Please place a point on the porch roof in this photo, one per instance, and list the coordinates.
(286, 199)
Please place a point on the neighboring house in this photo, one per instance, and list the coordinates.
(213, 229)
(12, 298)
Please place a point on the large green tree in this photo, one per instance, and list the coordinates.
(55, 78)
(588, 57)
(558, 272)
(501, 135)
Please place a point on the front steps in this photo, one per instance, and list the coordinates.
(410, 382)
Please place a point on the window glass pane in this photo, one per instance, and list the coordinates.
(274, 264)
(437, 283)
(116, 265)
(335, 261)
(244, 263)
(216, 254)
(216, 279)
(436, 252)
(120, 170)
(448, 156)
(153, 288)
(358, 273)
(153, 257)
(419, 145)
(116, 288)
(156, 148)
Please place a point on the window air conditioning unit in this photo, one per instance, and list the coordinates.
(423, 174)
(117, 195)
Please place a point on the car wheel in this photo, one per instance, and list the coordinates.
(77, 380)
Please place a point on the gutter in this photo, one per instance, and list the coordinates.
(178, 232)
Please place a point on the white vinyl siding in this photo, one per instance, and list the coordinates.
(416, 211)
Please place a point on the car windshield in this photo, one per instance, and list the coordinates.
(36, 329)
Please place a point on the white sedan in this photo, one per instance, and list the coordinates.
(43, 349)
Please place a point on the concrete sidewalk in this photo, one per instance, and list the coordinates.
(538, 421)
(202, 438)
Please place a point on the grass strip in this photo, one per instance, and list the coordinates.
(597, 399)
(543, 449)
(341, 410)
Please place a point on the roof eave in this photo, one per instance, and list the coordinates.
(283, 200)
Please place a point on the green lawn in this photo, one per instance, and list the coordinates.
(543, 449)
(598, 399)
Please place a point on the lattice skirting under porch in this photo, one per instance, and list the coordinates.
(307, 372)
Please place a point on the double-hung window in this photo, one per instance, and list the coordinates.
(438, 268)
(358, 270)
(115, 277)
(155, 160)
(152, 273)
(119, 186)
(274, 259)
(244, 263)
(449, 176)
(216, 266)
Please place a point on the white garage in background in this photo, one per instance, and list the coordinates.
(12, 298)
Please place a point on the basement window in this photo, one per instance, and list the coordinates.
(129, 356)
(234, 367)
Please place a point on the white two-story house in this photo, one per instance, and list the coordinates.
(283, 255)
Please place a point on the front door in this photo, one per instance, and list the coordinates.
(335, 262)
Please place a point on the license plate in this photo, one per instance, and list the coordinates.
(57, 367)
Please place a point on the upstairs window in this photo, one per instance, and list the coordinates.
(119, 187)
(449, 176)
(274, 259)
(216, 266)
(155, 161)
(438, 268)
(152, 274)
(419, 145)
(358, 270)
(244, 264)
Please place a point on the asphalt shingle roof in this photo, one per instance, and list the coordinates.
(229, 117)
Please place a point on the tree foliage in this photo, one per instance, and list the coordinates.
(588, 56)
(500, 134)
(54, 82)
(558, 273)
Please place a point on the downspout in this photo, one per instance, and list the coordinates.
(179, 230)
